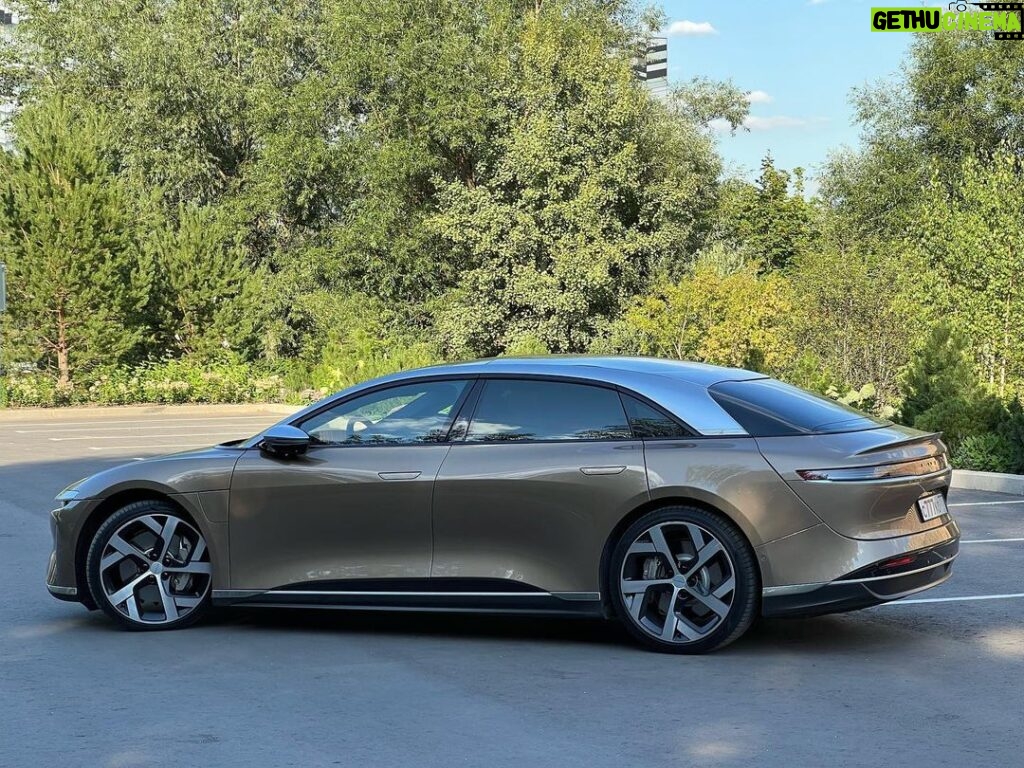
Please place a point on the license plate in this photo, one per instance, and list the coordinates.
(931, 507)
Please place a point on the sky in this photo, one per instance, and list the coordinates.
(798, 58)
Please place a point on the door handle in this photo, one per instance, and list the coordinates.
(398, 475)
(601, 470)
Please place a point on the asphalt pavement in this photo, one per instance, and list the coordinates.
(937, 680)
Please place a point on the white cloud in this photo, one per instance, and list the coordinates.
(816, 2)
(770, 123)
(758, 97)
(686, 28)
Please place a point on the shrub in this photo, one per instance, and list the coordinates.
(185, 380)
(988, 452)
(33, 388)
(361, 356)
(181, 380)
(941, 393)
(1011, 428)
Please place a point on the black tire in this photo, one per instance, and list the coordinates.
(134, 511)
(746, 594)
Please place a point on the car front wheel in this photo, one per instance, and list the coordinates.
(148, 567)
(684, 580)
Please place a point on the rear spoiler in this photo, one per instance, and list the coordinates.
(896, 444)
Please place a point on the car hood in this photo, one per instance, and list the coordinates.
(207, 469)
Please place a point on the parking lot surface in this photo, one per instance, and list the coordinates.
(937, 680)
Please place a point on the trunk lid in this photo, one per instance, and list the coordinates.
(877, 476)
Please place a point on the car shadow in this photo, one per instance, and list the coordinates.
(820, 635)
(413, 624)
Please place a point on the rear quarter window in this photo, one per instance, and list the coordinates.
(770, 408)
(649, 422)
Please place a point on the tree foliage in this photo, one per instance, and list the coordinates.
(771, 219)
(973, 234)
(941, 391)
(78, 278)
(205, 291)
(860, 316)
(492, 171)
(738, 318)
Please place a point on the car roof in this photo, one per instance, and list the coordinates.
(608, 368)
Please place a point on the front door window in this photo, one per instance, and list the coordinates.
(408, 414)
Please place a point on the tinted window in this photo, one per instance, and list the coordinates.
(650, 422)
(411, 413)
(769, 408)
(511, 410)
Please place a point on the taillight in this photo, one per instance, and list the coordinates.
(914, 468)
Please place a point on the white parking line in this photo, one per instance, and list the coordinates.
(50, 427)
(40, 428)
(143, 427)
(219, 433)
(985, 503)
(159, 447)
(990, 541)
(1009, 596)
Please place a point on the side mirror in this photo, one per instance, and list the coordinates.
(284, 441)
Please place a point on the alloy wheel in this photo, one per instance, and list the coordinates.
(677, 582)
(155, 569)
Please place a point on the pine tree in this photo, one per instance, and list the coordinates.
(206, 291)
(941, 391)
(76, 283)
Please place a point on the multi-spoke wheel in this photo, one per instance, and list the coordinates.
(684, 580)
(149, 567)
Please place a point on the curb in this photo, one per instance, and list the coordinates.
(996, 482)
(143, 411)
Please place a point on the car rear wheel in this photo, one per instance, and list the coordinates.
(148, 567)
(684, 580)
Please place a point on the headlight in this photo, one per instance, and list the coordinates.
(68, 494)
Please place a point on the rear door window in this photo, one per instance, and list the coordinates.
(770, 408)
(516, 410)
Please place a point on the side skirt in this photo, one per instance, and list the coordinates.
(533, 602)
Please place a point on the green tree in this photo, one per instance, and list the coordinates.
(358, 337)
(959, 95)
(586, 187)
(205, 293)
(77, 279)
(941, 392)
(966, 97)
(768, 220)
(973, 232)
(735, 318)
(456, 161)
(861, 314)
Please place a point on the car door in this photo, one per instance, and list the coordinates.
(357, 504)
(532, 489)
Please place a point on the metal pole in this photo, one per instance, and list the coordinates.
(3, 308)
